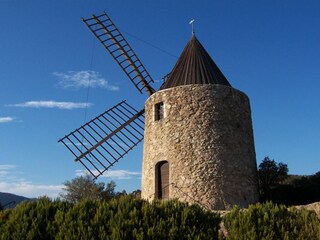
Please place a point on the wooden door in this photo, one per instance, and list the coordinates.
(162, 180)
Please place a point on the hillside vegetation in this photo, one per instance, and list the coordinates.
(9, 200)
(128, 217)
(277, 186)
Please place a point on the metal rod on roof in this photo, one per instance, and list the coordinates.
(192, 26)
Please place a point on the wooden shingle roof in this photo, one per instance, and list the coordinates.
(195, 66)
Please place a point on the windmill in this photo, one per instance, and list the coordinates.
(101, 142)
(197, 129)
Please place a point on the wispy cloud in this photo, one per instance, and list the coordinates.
(28, 189)
(51, 104)
(83, 79)
(113, 174)
(5, 169)
(6, 119)
(7, 166)
(11, 183)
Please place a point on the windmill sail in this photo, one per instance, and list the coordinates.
(101, 142)
(112, 39)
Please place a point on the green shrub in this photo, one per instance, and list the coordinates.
(123, 218)
(30, 220)
(270, 221)
(131, 218)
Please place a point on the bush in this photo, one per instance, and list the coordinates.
(31, 220)
(127, 217)
(271, 221)
(123, 218)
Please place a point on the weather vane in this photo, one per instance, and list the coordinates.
(191, 22)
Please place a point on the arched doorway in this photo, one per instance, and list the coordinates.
(162, 180)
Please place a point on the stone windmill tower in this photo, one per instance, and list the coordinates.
(197, 130)
(198, 136)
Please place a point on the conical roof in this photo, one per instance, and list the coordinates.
(195, 66)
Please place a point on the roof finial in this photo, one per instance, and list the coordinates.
(191, 22)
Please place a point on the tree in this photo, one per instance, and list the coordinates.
(270, 173)
(86, 187)
(136, 193)
(109, 191)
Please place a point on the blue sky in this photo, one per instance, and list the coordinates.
(267, 49)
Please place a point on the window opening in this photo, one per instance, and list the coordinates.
(159, 111)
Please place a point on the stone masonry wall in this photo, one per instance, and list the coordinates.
(206, 136)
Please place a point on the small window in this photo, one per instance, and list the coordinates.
(159, 111)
